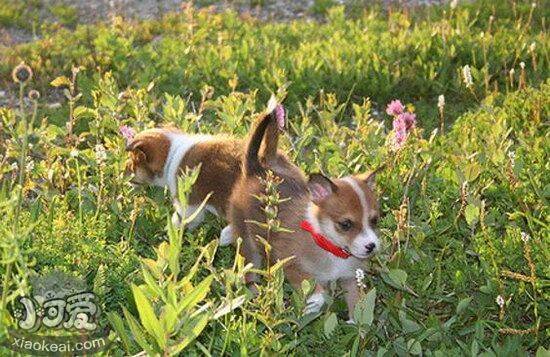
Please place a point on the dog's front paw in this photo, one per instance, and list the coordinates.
(314, 303)
(226, 236)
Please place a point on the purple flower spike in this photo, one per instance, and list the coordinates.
(409, 119)
(400, 130)
(127, 132)
(395, 108)
(280, 116)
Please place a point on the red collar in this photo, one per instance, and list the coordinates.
(324, 242)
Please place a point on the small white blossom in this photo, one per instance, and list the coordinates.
(30, 165)
(360, 277)
(533, 5)
(512, 157)
(522, 65)
(14, 166)
(100, 153)
(500, 301)
(441, 102)
(74, 153)
(491, 18)
(512, 71)
(454, 4)
(525, 237)
(467, 73)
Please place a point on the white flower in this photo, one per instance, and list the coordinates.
(491, 18)
(100, 153)
(525, 237)
(454, 4)
(14, 166)
(441, 102)
(512, 157)
(522, 65)
(30, 165)
(512, 71)
(533, 5)
(360, 277)
(500, 301)
(74, 153)
(467, 73)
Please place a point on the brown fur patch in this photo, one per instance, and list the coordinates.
(220, 160)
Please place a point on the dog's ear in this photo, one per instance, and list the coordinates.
(138, 148)
(320, 187)
(370, 177)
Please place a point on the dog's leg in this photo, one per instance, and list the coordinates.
(315, 301)
(352, 296)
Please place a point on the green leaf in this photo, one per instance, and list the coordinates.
(60, 81)
(118, 326)
(398, 277)
(147, 316)
(414, 347)
(229, 306)
(542, 352)
(364, 310)
(196, 295)
(330, 324)
(190, 331)
(138, 333)
(463, 304)
(471, 213)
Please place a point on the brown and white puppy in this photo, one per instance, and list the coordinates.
(332, 222)
(158, 156)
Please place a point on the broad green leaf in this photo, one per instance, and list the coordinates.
(147, 316)
(118, 326)
(463, 304)
(189, 332)
(196, 295)
(138, 333)
(414, 347)
(364, 310)
(330, 324)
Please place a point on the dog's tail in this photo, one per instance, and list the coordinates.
(267, 131)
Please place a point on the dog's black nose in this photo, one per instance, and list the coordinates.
(370, 247)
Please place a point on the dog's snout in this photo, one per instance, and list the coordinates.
(370, 247)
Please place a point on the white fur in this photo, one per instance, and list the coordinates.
(179, 146)
(314, 303)
(367, 235)
(226, 236)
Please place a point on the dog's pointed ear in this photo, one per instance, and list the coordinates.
(137, 147)
(370, 177)
(320, 187)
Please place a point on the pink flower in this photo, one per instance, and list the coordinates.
(409, 119)
(127, 132)
(280, 116)
(395, 108)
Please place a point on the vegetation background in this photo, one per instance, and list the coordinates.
(465, 210)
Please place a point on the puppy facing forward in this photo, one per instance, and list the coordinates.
(333, 224)
(158, 156)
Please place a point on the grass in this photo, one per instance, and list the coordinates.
(465, 211)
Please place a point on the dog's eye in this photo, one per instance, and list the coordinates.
(345, 225)
(374, 221)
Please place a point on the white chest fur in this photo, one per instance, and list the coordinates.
(332, 268)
